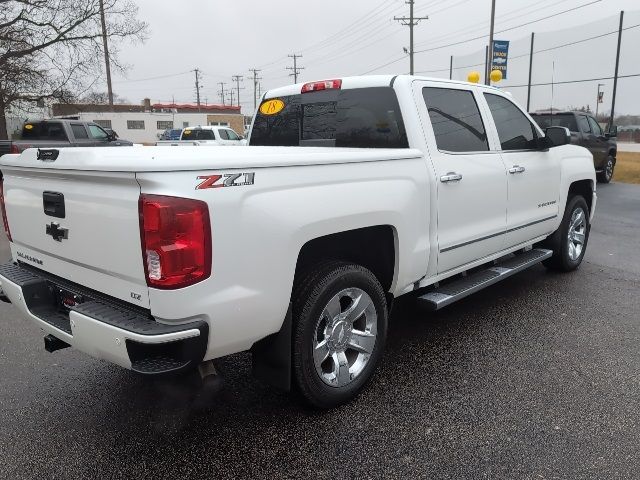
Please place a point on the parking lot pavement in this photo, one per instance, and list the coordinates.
(534, 378)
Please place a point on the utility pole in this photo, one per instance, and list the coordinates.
(487, 76)
(106, 52)
(197, 72)
(410, 22)
(255, 86)
(221, 92)
(230, 96)
(237, 79)
(615, 78)
(533, 36)
(295, 68)
(599, 99)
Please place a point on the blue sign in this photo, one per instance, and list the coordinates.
(500, 56)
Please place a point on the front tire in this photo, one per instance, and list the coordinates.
(569, 242)
(340, 326)
(607, 173)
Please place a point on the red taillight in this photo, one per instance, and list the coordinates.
(176, 241)
(14, 148)
(5, 220)
(323, 85)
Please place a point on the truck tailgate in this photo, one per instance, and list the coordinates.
(79, 225)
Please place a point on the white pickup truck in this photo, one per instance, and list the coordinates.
(352, 192)
(210, 135)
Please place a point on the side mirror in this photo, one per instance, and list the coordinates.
(111, 137)
(613, 131)
(556, 136)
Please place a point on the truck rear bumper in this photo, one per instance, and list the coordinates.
(103, 328)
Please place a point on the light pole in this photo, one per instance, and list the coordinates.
(598, 99)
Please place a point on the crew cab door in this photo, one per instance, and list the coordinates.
(533, 174)
(470, 178)
(80, 135)
(598, 142)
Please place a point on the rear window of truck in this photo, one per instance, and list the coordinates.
(197, 134)
(43, 131)
(567, 120)
(356, 118)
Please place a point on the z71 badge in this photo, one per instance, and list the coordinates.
(226, 180)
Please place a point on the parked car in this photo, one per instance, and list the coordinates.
(160, 260)
(586, 132)
(61, 133)
(171, 134)
(207, 136)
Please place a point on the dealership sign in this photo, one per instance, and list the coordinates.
(500, 56)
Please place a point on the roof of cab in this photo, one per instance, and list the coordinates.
(365, 81)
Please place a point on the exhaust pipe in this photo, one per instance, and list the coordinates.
(51, 344)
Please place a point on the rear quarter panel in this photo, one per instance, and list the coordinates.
(258, 231)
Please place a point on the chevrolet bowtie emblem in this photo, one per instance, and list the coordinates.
(57, 233)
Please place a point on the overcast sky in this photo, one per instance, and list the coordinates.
(352, 37)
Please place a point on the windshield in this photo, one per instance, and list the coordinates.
(43, 131)
(567, 120)
(357, 118)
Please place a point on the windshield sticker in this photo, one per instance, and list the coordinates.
(272, 107)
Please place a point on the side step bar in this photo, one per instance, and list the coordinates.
(452, 292)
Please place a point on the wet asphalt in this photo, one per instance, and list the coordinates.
(534, 378)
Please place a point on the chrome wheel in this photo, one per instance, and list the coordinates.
(609, 169)
(577, 233)
(344, 337)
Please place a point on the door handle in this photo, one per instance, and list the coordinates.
(451, 177)
(516, 169)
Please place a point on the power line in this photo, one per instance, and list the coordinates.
(295, 69)
(410, 22)
(548, 49)
(584, 80)
(154, 78)
(344, 34)
(483, 36)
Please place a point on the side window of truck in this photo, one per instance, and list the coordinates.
(223, 134)
(515, 130)
(79, 132)
(456, 120)
(584, 124)
(232, 135)
(595, 128)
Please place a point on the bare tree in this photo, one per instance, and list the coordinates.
(101, 98)
(49, 48)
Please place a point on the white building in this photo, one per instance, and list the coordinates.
(145, 123)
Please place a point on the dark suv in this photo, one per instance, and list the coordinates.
(586, 132)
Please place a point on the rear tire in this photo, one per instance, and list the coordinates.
(569, 242)
(339, 332)
(607, 173)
